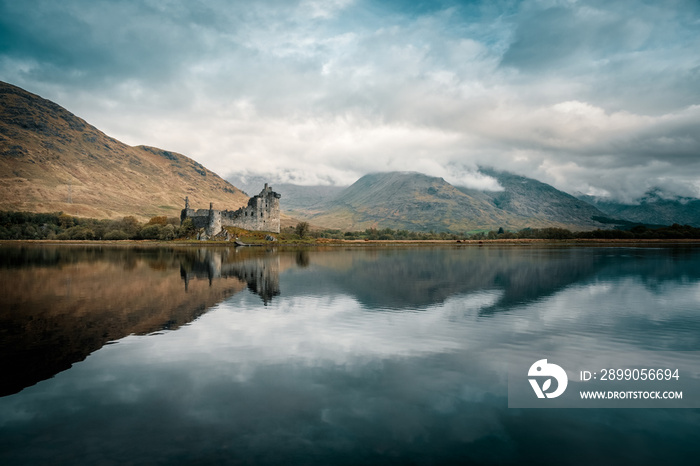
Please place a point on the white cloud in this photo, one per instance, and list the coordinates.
(323, 8)
(594, 97)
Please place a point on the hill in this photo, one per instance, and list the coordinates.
(414, 201)
(52, 160)
(653, 208)
(539, 202)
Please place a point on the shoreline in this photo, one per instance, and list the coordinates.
(356, 243)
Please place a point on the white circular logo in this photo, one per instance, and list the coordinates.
(544, 371)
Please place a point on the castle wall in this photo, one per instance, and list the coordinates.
(214, 221)
(200, 217)
(261, 214)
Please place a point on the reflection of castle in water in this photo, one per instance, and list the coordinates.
(259, 272)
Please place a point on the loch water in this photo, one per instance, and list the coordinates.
(338, 355)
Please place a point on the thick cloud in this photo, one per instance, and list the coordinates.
(599, 97)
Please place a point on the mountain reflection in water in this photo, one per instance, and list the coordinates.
(61, 303)
(331, 356)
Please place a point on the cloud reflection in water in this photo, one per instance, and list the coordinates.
(322, 375)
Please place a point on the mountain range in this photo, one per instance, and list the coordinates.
(655, 207)
(414, 201)
(418, 202)
(51, 160)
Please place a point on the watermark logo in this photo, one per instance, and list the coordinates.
(545, 372)
(604, 379)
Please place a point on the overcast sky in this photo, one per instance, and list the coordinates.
(600, 97)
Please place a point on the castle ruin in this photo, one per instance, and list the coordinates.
(261, 214)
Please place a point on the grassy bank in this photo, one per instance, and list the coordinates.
(61, 227)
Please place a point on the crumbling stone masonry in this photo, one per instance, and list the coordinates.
(261, 214)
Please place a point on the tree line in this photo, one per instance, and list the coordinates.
(674, 231)
(60, 226)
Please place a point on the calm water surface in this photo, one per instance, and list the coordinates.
(342, 356)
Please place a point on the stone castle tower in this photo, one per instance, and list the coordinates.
(261, 214)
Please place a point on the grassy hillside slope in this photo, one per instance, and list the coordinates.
(51, 160)
(413, 201)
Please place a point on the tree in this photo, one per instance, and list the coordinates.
(161, 220)
(115, 235)
(167, 233)
(150, 232)
(187, 229)
(128, 225)
(302, 229)
(66, 221)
